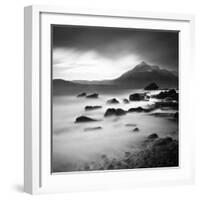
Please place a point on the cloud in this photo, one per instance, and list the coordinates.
(100, 53)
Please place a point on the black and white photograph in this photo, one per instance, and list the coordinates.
(114, 98)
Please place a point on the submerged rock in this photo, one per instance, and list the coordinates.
(94, 95)
(113, 111)
(130, 125)
(84, 119)
(83, 94)
(93, 128)
(110, 101)
(125, 100)
(92, 107)
(137, 97)
(151, 86)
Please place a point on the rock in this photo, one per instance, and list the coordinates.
(84, 119)
(172, 94)
(93, 128)
(83, 94)
(137, 97)
(110, 101)
(138, 109)
(113, 111)
(151, 86)
(94, 95)
(152, 136)
(136, 129)
(130, 125)
(164, 104)
(125, 100)
(92, 107)
(163, 141)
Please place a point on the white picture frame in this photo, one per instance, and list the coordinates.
(37, 146)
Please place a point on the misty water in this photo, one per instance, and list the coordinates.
(74, 145)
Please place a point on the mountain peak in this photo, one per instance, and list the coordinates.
(143, 63)
(143, 66)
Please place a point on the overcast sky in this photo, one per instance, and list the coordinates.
(96, 53)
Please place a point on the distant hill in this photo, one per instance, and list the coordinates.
(138, 77)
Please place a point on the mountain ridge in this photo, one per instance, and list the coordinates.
(138, 77)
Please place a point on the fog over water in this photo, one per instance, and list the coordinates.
(74, 145)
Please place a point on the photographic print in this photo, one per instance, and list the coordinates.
(115, 98)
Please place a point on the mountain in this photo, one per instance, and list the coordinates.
(138, 77)
(143, 74)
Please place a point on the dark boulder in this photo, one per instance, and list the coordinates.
(92, 107)
(115, 112)
(152, 136)
(83, 94)
(138, 109)
(171, 94)
(136, 129)
(151, 86)
(137, 97)
(94, 95)
(110, 101)
(84, 119)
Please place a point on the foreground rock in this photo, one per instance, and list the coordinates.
(93, 128)
(112, 101)
(137, 97)
(160, 152)
(114, 112)
(94, 95)
(84, 119)
(92, 107)
(83, 94)
(151, 86)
